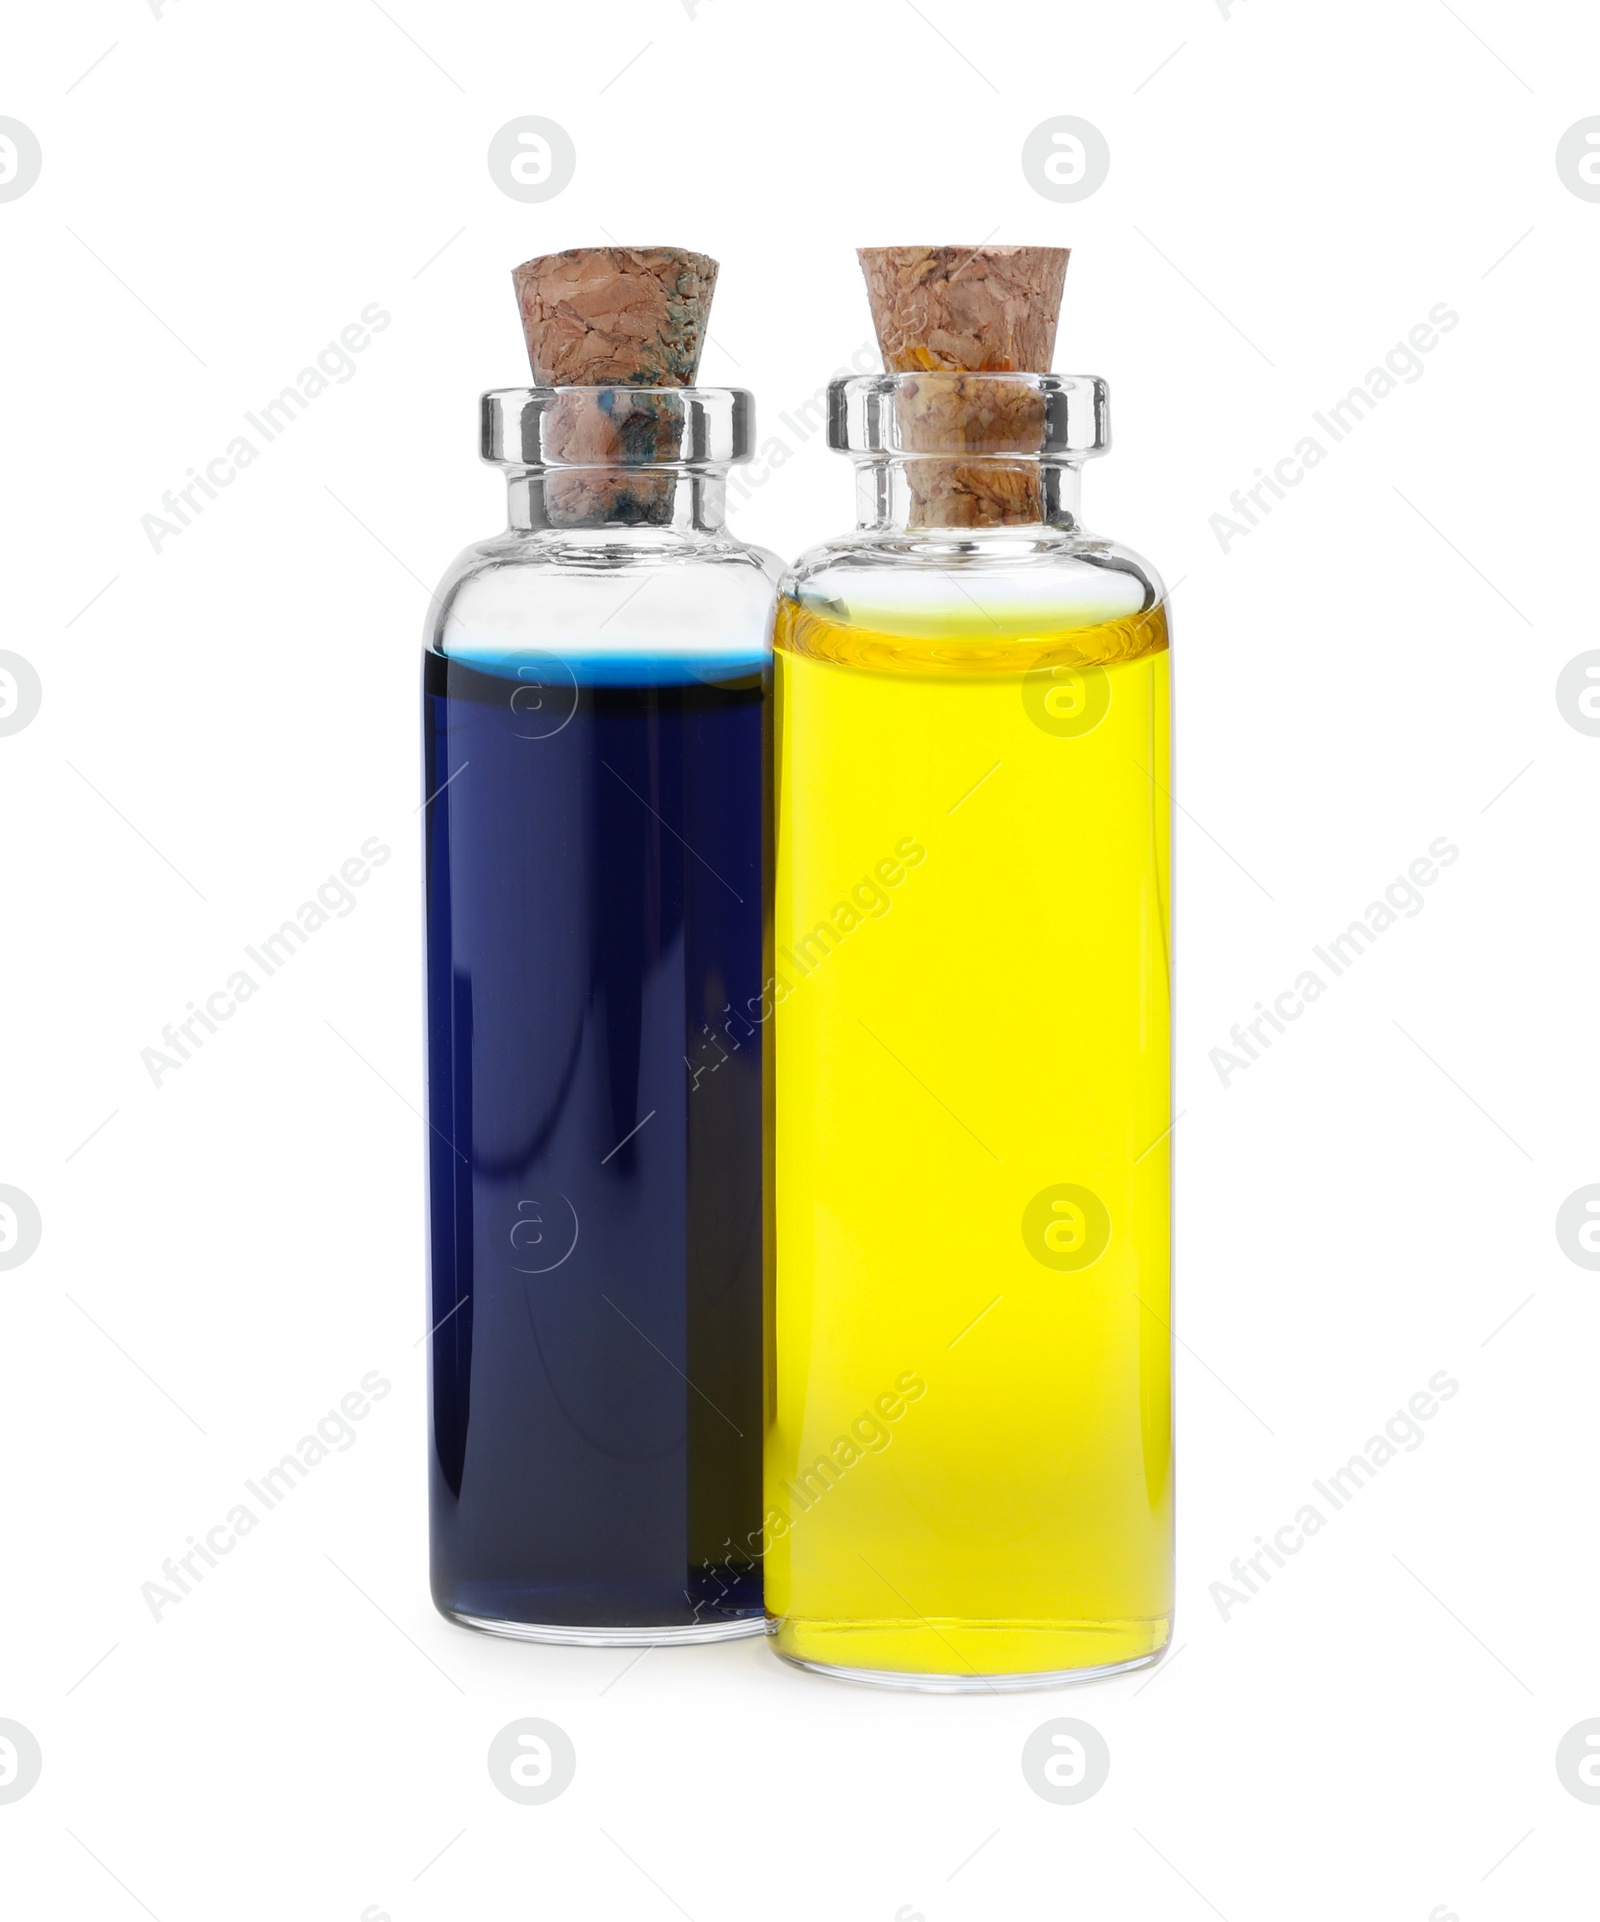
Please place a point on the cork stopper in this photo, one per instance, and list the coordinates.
(612, 317)
(965, 310)
(615, 316)
(947, 311)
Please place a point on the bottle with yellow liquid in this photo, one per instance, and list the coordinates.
(968, 1448)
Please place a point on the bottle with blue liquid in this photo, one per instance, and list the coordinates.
(593, 695)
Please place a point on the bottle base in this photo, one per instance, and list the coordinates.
(670, 1635)
(970, 1658)
(913, 1683)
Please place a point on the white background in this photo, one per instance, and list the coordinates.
(225, 721)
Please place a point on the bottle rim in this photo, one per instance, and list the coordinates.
(675, 428)
(938, 415)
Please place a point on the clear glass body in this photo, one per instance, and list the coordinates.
(593, 733)
(968, 1421)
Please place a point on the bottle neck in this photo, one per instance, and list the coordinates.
(681, 500)
(615, 458)
(903, 495)
(961, 452)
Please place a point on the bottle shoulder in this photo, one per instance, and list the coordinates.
(604, 588)
(1014, 578)
(987, 601)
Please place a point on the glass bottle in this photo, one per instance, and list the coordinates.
(593, 694)
(969, 1475)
